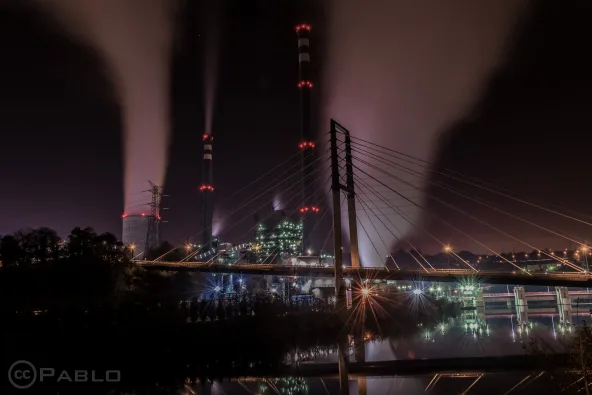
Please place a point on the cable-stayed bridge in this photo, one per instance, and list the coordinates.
(568, 279)
(379, 185)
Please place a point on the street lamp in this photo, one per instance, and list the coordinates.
(585, 251)
(132, 247)
(448, 250)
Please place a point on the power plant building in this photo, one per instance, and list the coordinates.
(278, 237)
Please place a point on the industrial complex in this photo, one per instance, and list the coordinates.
(278, 237)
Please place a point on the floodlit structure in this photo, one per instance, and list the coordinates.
(307, 145)
(207, 191)
(277, 238)
(135, 233)
(141, 231)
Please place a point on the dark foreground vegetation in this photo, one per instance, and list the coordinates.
(78, 303)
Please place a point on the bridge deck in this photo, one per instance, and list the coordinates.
(571, 279)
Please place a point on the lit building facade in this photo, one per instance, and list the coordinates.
(277, 238)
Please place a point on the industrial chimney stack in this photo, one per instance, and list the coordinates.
(306, 144)
(207, 190)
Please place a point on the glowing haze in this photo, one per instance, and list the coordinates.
(212, 40)
(134, 36)
(398, 73)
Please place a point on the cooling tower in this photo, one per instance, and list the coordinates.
(135, 233)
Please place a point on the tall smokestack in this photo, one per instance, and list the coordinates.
(306, 143)
(207, 190)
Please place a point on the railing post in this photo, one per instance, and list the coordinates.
(351, 203)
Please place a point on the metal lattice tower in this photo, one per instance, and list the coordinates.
(153, 236)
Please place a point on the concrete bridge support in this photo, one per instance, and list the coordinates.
(521, 305)
(564, 304)
(480, 304)
(362, 386)
(360, 355)
(342, 360)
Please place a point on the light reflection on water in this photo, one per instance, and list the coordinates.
(445, 341)
(463, 336)
(472, 336)
(502, 336)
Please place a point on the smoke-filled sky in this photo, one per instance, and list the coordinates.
(409, 69)
(417, 73)
(134, 38)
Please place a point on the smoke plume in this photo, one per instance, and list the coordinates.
(212, 42)
(134, 36)
(399, 73)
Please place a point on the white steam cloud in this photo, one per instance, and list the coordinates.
(134, 36)
(398, 74)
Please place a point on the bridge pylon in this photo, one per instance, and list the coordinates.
(349, 189)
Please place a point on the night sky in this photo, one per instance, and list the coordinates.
(61, 144)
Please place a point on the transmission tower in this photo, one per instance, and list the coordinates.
(152, 236)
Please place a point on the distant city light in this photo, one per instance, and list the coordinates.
(217, 289)
(417, 291)
(365, 292)
(448, 248)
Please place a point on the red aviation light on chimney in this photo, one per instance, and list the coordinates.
(306, 144)
(206, 188)
(305, 84)
(123, 215)
(312, 209)
(302, 27)
(207, 137)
